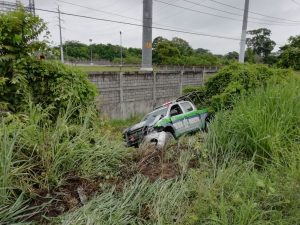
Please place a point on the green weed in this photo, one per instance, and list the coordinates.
(141, 202)
(38, 154)
(264, 125)
(252, 176)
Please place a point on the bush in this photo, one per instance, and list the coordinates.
(52, 84)
(235, 80)
(48, 84)
(23, 77)
(200, 60)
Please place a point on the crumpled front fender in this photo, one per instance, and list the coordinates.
(159, 138)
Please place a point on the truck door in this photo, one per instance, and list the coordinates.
(180, 124)
(193, 118)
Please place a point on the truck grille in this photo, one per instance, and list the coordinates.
(134, 136)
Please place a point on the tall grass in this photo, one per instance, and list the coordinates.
(241, 195)
(251, 176)
(141, 202)
(254, 152)
(38, 154)
(264, 125)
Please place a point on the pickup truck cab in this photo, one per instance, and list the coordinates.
(171, 120)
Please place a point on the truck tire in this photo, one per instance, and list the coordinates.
(164, 139)
(205, 127)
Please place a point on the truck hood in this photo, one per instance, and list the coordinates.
(146, 123)
(138, 125)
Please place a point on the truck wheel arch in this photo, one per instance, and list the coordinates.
(170, 130)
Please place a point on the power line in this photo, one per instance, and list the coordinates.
(127, 17)
(160, 9)
(256, 13)
(115, 14)
(216, 15)
(231, 13)
(194, 10)
(98, 10)
(139, 25)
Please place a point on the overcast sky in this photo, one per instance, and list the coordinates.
(104, 32)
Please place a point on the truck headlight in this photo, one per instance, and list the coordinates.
(150, 130)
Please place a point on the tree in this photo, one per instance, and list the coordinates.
(260, 42)
(183, 46)
(232, 55)
(250, 56)
(290, 54)
(76, 50)
(157, 40)
(202, 51)
(19, 32)
(166, 53)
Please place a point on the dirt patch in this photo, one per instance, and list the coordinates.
(74, 193)
(155, 165)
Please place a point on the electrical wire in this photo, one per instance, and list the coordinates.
(139, 25)
(98, 10)
(215, 15)
(256, 13)
(119, 15)
(232, 13)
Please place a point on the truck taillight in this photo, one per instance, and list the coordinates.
(167, 103)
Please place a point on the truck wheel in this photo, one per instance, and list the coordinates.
(164, 139)
(205, 128)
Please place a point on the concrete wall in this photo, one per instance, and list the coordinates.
(126, 94)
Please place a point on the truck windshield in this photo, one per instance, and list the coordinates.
(151, 116)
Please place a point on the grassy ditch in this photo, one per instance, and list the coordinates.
(41, 158)
(245, 170)
(253, 153)
(49, 168)
(263, 126)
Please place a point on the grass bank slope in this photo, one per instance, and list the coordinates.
(253, 158)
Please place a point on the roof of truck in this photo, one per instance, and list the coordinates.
(167, 104)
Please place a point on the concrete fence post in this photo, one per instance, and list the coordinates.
(203, 76)
(181, 82)
(154, 90)
(122, 104)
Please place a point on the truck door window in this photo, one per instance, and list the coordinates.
(187, 107)
(175, 110)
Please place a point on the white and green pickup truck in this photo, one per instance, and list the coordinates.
(171, 120)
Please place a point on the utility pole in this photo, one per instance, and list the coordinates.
(244, 33)
(121, 48)
(31, 6)
(60, 38)
(147, 36)
(91, 40)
